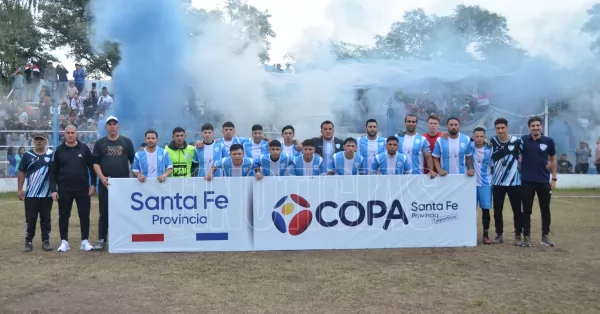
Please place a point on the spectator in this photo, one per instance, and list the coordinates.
(564, 165)
(12, 162)
(91, 102)
(32, 79)
(77, 103)
(63, 81)
(64, 109)
(18, 84)
(19, 155)
(71, 91)
(79, 77)
(23, 118)
(104, 101)
(51, 77)
(582, 154)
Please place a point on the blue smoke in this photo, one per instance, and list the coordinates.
(150, 82)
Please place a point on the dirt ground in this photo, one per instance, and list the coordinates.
(486, 279)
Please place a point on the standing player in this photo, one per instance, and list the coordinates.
(348, 162)
(72, 178)
(112, 156)
(236, 165)
(210, 152)
(482, 157)
(433, 133)
(309, 163)
(391, 162)
(537, 149)
(34, 167)
(453, 155)
(275, 163)
(258, 145)
(326, 145)
(370, 145)
(506, 179)
(152, 162)
(228, 138)
(416, 147)
(181, 155)
(289, 144)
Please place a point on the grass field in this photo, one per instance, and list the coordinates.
(486, 279)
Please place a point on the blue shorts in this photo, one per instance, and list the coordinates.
(484, 197)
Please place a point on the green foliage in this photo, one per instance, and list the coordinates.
(470, 32)
(68, 23)
(592, 28)
(20, 40)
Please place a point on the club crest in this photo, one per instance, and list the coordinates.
(511, 147)
(543, 147)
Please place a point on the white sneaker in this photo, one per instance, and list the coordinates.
(64, 246)
(86, 246)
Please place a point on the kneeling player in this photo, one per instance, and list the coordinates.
(482, 157)
(275, 163)
(391, 162)
(347, 162)
(309, 163)
(236, 165)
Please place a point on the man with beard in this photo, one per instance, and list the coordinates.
(326, 145)
(506, 179)
(152, 162)
(415, 147)
(537, 149)
(369, 146)
(454, 154)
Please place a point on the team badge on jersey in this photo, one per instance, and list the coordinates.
(47, 159)
(511, 147)
(337, 146)
(543, 147)
(316, 167)
(462, 145)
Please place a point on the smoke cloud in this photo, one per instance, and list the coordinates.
(160, 60)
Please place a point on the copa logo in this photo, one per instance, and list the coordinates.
(287, 206)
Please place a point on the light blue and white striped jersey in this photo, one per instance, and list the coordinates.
(253, 150)
(234, 140)
(151, 165)
(290, 150)
(229, 170)
(341, 166)
(207, 155)
(452, 153)
(482, 162)
(314, 168)
(368, 149)
(271, 168)
(391, 165)
(414, 147)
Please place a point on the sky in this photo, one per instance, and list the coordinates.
(546, 28)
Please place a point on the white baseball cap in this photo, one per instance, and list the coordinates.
(112, 118)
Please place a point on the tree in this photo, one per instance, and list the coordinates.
(470, 32)
(249, 24)
(592, 27)
(20, 40)
(67, 23)
(345, 50)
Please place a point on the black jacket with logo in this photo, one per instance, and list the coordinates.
(72, 169)
(338, 145)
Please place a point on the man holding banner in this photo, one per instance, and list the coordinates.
(112, 155)
(152, 162)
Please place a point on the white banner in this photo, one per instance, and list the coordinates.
(180, 215)
(355, 212)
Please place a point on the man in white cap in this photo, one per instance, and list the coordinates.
(111, 156)
(34, 167)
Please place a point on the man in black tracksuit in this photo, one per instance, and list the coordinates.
(72, 178)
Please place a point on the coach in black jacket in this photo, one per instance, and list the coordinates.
(72, 178)
(327, 132)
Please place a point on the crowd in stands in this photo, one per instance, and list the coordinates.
(29, 106)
